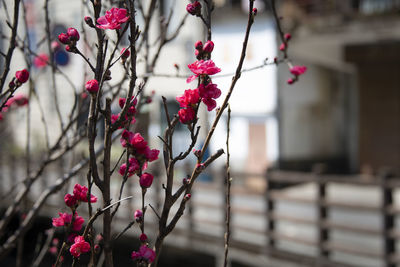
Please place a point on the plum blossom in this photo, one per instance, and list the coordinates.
(80, 246)
(65, 219)
(113, 19)
(92, 86)
(133, 167)
(41, 60)
(190, 98)
(80, 193)
(138, 215)
(22, 75)
(144, 253)
(186, 115)
(298, 70)
(194, 8)
(208, 46)
(202, 67)
(146, 179)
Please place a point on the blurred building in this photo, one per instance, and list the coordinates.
(345, 111)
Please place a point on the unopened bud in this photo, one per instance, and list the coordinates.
(89, 21)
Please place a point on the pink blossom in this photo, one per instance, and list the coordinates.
(198, 45)
(298, 70)
(146, 180)
(194, 8)
(92, 86)
(113, 19)
(73, 34)
(70, 200)
(53, 250)
(22, 75)
(186, 115)
(290, 81)
(133, 167)
(63, 38)
(208, 46)
(138, 215)
(65, 219)
(209, 91)
(210, 103)
(80, 246)
(287, 36)
(143, 237)
(190, 98)
(201, 67)
(282, 47)
(80, 193)
(151, 154)
(78, 222)
(144, 253)
(41, 60)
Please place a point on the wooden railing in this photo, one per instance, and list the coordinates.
(258, 217)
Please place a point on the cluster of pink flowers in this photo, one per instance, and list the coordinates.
(194, 8)
(65, 219)
(203, 51)
(74, 221)
(144, 254)
(79, 246)
(129, 116)
(207, 91)
(296, 71)
(113, 19)
(70, 38)
(140, 154)
(80, 193)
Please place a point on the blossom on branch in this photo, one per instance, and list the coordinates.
(194, 8)
(81, 194)
(145, 253)
(298, 70)
(112, 19)
(65, 219)
(22, 76)
(202, 67)
(80, 246)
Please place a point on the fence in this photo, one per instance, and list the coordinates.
(276, 211)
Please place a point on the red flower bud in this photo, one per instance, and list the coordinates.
(73, 34)
(138, 215)
(22, 75)
(143, 237)
(198, 45)
(194, 8)
(70, 200)
(89, 21)
(255, 11)
(288, 36)
(208, 47)
(146, 180)
(92, 86)
(63, 38)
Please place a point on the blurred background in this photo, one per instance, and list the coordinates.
(330, 142)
